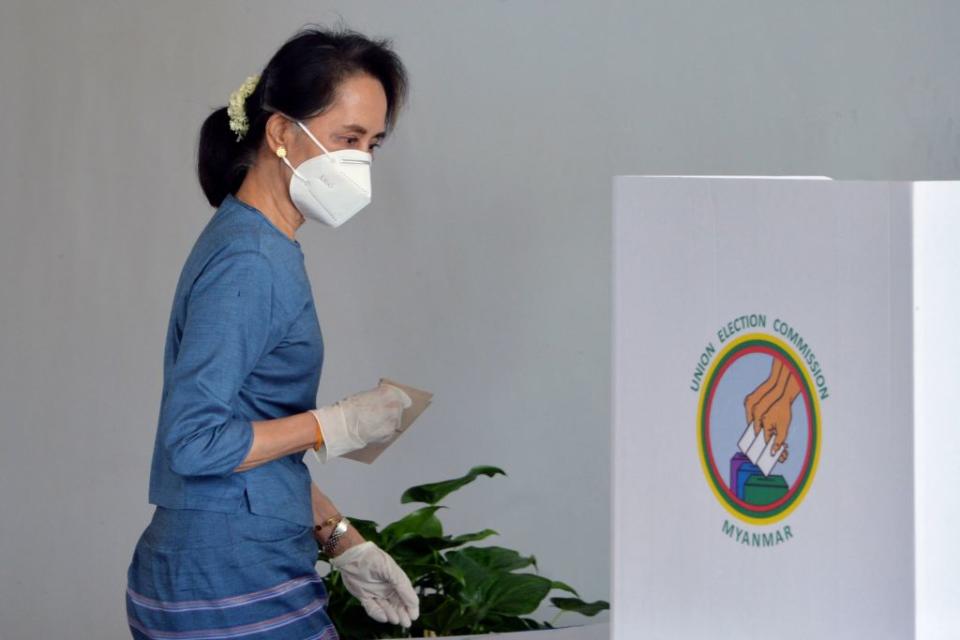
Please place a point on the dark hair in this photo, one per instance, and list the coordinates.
(300, 81)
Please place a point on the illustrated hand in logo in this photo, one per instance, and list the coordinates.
(760, 399)
(775, 421)
(768, 407)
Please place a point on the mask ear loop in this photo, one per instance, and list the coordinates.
(282, 154)
(282, 151)
(329, 155)
(317, 142)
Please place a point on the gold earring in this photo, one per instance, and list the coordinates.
(281, 152)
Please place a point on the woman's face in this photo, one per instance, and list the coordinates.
(355, 120)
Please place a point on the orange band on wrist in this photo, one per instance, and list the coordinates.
(316, 447)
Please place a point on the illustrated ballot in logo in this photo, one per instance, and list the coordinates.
(758, 427)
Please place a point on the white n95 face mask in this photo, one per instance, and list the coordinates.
(333, 186)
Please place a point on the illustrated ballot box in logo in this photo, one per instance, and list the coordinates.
(745, 471)
(738, 460)
(764, 490)
(771, 342)
(750, 485)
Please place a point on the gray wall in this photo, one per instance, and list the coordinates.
(481, 271)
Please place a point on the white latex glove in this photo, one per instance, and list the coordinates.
(378, 582)
(360, 419)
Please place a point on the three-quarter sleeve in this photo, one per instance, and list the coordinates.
(226, 330)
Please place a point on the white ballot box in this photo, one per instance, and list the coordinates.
(786, 454)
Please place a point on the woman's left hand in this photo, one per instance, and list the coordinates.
(378, 582)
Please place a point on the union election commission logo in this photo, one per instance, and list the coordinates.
(758, 422)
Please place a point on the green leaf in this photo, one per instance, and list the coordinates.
(496, 558)
(434, 492)
(456, 573)
(579, 606)
(421, 522)
(418, 555)
(488, 585)
(445, 617)
(565, 587)
(416, 547)
(514, 594)
(472, 537)
(465, 566)
(474, 578)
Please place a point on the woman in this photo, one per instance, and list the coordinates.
(231, 549)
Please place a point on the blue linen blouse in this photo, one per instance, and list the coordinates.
(243, 343)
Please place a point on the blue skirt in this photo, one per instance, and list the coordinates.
(204, 575)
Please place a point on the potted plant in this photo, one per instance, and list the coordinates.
(463, 589)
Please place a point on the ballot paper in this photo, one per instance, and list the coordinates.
(421, 400)
(759, 450)
(768, 459)
(756, 449)
(747, 439)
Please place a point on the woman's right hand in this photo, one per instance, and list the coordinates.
(360, 419)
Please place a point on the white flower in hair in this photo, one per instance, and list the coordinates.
(238, 116)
